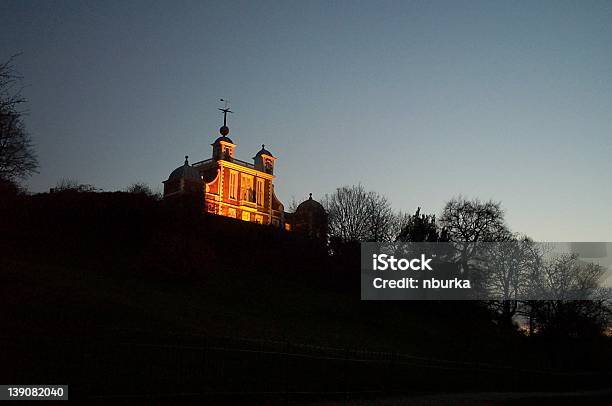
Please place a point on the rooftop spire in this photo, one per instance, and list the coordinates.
(225, 129)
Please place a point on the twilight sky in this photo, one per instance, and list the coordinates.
(418, 100)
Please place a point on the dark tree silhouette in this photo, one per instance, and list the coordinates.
(571, 318)
(358, 215)
(584, 310)
(142, 188)
(421, 228)
(17, 157)
(381, 218)
(9, 188)
(467, 224)
(474, 221)
(509, 270)
(73, 185)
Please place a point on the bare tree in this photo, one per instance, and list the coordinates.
(72, 185)
(17, 157)
(293, 205)
(381, 218)
(468, 222)
(419, 227)
(139, 188)
(142, 188)
(578, 308)
(509, 269)
(402, 219)
(358, 215)
(565, 277)
(473, 220)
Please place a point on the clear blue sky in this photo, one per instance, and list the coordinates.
(418, 100)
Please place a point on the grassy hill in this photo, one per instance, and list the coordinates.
(106, 285)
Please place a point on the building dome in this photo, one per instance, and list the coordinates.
(263, 151)
(310, 218)
(310, 205)
(186, 172)
(223, 138)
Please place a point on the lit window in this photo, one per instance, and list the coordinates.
(231, 212)
(260, 192)
(246, 188)
(233, 185)
(258, 219)
(268, 166)
(246, 216)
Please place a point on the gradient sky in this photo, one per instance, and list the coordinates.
(420, 101)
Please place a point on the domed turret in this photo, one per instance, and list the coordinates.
(223, 139)
(185, 171)
(310, 205)
(310, 218)
(184, 180)
(223, 148)
(263, 151)
(264, 160)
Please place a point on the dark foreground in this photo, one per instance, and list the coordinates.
(123, 302)
(111, 340)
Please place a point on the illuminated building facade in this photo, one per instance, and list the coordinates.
(230, 187)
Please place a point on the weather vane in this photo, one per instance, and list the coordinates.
(225, 129)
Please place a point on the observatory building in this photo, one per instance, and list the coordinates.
(228, 186)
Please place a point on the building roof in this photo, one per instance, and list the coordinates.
(223, 138)
(186, 172)
(310, 205)
(263, 151)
